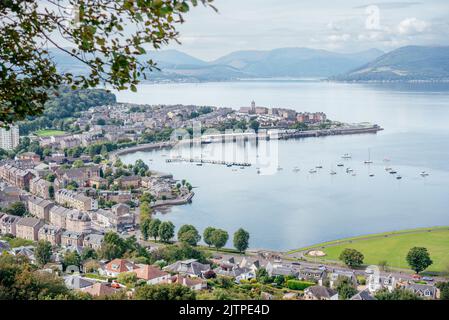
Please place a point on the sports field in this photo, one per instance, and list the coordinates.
(393, 247)
(48, 133)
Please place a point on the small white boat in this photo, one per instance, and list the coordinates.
(333, 173)
(340, 165)
(388, 168)
(424, 174)
(371, 175)
(349, 170)
(399, 177)
(319, 167)
(312, 171)
(296, 170)
(369, 158)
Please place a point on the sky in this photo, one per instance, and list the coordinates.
(343, 26)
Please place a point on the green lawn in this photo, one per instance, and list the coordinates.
(49, 132)
(393, 247)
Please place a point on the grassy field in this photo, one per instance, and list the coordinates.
(394, 246)
(48, 133)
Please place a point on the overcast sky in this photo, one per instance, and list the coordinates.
(350, 25)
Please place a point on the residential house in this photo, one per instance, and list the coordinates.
(128, 182)
(97, 182)
(28, 228)
(99, 289)
(51, 234)
(425, 291)
(40, 187)
(78, 175)
(15, 176)
(278, 269)
(376, 283)
(363, 295)
(39, 207)
(75, 282)
(26, 251)
(312, 274)
(189, 267)
(75, 200)
(151, 274)
(30, 156)
(71, 239)
(117, 266)
(93, 241)
(195, 284)
(120, 196)
(341, 274)
(78, 222)
(318, 293)
(113, 219)
(8, 224)
(58, 215)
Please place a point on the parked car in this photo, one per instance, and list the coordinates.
(416, 277)
(369, 271)
(429, 279)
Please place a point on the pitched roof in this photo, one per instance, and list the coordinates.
(148, 272)
(100, 289)
(77, 282)
(320, 292)
(28, 222)
(363, 295)
(120, 265)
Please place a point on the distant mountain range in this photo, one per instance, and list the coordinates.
(404, 64)
(407, 63)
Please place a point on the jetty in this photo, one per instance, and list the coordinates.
(221, 162)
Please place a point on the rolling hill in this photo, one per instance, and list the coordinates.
(411, 63)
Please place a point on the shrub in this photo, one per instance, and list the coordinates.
(298, 285)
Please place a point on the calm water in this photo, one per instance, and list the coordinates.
(289, 210)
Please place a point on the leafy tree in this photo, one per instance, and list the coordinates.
(166, 231)
(219, 238)
(88, 254)
(418, 259)
(43, 252)
(145, 211)
(254, 124)
(153, 228)
(19, 280)
(345, 289)
(71, 258)
(207, 235)
(101, 122)
(78, 164)
(263, 277)
(51, 192)
(96, 159)
(144, 228)
(351, 257)
(164, 292)
(129, 279)
(17, 209)
(241, 240)
(50, 177)
(188, 234)
(397, 294)
(94, 31)
(444, 290)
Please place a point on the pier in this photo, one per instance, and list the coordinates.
(201, 161)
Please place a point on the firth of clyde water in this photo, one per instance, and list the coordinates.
(290, 210)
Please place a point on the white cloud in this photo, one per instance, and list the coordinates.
(339, 37)
(412, 26)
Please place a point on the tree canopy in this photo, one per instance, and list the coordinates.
(188, 234)
(351, 257)
(88, 32)
(418, 259)
(241, 240)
